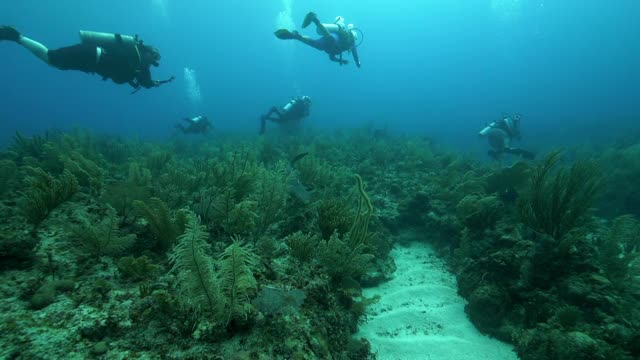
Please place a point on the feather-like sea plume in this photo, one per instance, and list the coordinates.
(195, 269)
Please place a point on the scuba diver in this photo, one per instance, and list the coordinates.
(195, 125)
(121, 58)
(500, 133)
(336, 38)
(291, 114)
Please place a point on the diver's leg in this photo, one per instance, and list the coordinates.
(83, 57)
(270, 112)
(263, 125)
(313, 18)
(284, 34)
(9, 33)
(318, 44)
(36, 48)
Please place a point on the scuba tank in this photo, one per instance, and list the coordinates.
(290, 104)
(335, 27)
(488, 129)
(126, 43)
(332, 28)
(107, 39)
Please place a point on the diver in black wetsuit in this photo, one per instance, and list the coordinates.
(121, 58)
(195, 125)
(501, 133)
(289, 115)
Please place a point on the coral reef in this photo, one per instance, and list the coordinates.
(120, 248)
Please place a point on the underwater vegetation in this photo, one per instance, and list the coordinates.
(557, 202)
(245, 248)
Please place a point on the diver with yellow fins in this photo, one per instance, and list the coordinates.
(336, 38)
(121, 58)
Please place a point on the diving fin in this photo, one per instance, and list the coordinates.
(284, 34)
(9, 33)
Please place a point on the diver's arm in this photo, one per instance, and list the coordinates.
(356, 58)
(144, 79)
(335, 58)
(160, 82)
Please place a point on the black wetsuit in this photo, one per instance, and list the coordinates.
(117, 63)
(298, 111)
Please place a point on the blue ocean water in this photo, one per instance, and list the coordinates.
(438, 68)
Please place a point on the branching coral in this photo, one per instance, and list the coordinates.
(45, 193)
(315, 173)
(100, 237)
(556, 203)
(619, 253)
(227, 183)
(334, 216)
(301, 246)
(270, 198)
(346, 256)
(479, 213)
(162, 225)
(122, 193)
(342, 260)
(86, 171)
(359, 232)
(28, 147)
(8, 175)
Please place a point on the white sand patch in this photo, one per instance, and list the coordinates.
(420, 315)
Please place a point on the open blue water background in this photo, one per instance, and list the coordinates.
(439, 68)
